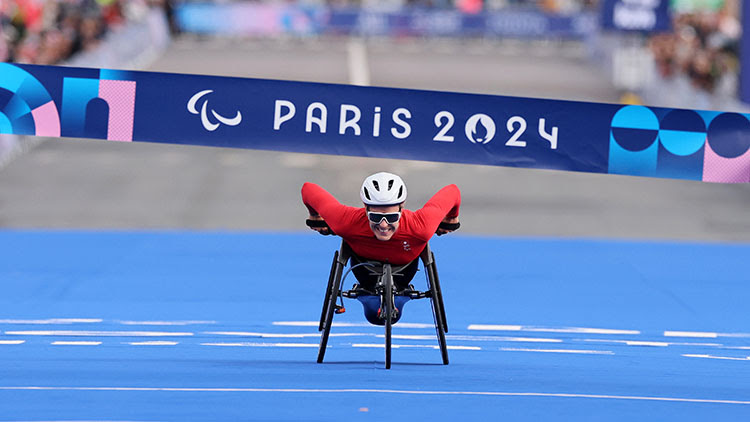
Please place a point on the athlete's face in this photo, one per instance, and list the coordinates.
(384, 230)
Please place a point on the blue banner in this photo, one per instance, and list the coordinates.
(258, 19)
(374, 122)
(636, 15)
(744, 91)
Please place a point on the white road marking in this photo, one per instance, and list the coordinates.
(153, 343)
(746, 359)
(489, 327)
(704, 334)
(9, 342)
(735, 335)
(413, 346)
(476, 338)
(262, 335)
(696, 334)
(349, 324)
(51, 321)
(359, 69)
(628, 342)
(261, 344)
(648, 343)
(579, 351)
(574, 330)
(284, 335)
(76, 343)
(167, 323)
(510, 339)
(381, 391)
(71, 333)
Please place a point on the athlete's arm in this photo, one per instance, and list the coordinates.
(323, 206)
(443, 207)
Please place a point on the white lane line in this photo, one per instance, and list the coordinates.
(9, 342)
(71, 333)
(490, 327)
(734, 335)
(244, 344)
(167, 323)
(746, 359)
(509, 339)
(51, 321)
(76, 343)
(692, 334)
(284, 335)
(461, 347)
(413, 346)
(646, 343)
(349, 324)
(382, 391)
(704, 334)
(578, 351)
(582, 330)
(475, 338)
(628, 342)
(152, 343)
(261, 335)
(574, 330)
(359, 69)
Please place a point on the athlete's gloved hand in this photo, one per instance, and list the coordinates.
(317, 223)
(448, 225)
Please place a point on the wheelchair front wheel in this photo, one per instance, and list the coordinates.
(329, 308)
(331, 277)
(387, 308)
(438, 311)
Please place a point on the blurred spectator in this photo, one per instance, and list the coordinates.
(468, 6)
(50, 31)
(704, 46)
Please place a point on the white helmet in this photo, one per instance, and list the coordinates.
(383, 189)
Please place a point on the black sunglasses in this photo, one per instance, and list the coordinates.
(390, 217)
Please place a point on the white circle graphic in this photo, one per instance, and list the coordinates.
(480, 128)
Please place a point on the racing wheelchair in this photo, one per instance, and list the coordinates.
(387, 293)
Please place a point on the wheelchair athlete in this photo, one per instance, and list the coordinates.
(383, 231)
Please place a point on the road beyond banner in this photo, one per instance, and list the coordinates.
(304, 117)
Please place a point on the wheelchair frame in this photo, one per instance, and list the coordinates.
(385, 289)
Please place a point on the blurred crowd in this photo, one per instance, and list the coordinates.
(703, 46)
(471, 6)
(50, 31)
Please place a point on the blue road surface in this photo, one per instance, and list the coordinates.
(210, 326)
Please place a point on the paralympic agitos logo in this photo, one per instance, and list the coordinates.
(205, 119)
(479, 128)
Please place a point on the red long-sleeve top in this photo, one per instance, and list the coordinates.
(414, 231)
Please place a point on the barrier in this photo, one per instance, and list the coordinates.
(375, 122)
(254, 19)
